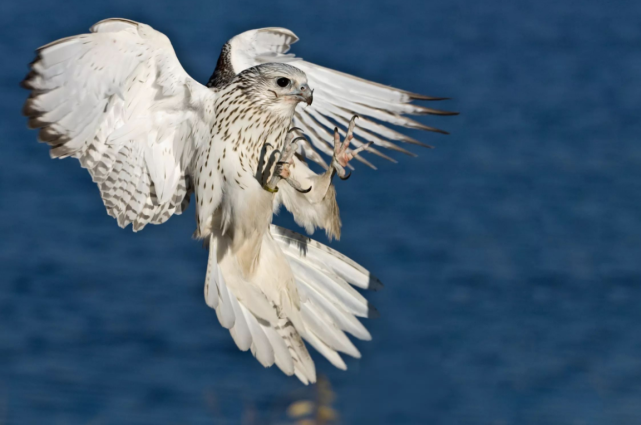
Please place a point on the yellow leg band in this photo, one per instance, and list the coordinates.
(268, 189)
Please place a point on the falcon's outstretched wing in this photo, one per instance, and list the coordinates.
(119, 101)
(337, 96)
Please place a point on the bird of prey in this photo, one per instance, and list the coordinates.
(118, 100)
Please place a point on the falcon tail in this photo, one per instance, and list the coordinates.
(328, 306)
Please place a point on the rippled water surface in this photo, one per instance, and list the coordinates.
(510, 253)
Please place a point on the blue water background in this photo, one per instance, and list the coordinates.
(510, 253)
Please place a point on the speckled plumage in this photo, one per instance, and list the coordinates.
(250, 122)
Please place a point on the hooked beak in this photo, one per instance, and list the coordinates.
(305, 94)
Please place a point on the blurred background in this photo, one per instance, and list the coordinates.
(510, 253)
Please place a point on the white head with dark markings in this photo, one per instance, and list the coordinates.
(277, 86)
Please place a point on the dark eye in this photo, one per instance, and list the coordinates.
(282, 82)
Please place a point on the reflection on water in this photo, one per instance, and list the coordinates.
(311, 405)
(318, 410)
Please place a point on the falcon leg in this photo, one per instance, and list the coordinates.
(342, 153)
(285, 160)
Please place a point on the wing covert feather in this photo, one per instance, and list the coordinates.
(118, 100)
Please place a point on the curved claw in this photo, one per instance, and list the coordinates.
(296, 185)
(345, 177)
(290, 149)
(294, 128)
(268, 144)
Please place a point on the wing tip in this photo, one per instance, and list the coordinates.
(372, 312)
(374, 284)
(424, 127)
(430, 111)
(95, 27)
(416, 96)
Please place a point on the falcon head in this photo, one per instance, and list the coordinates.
(276, 85)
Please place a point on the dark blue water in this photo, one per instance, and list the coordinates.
(510, 253)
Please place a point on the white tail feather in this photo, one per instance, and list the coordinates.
(328, 306)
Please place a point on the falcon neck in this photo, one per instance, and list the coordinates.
(250, 128)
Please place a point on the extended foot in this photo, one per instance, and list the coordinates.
(285, 160)
(342, 153)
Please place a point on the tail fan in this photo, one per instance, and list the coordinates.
(328, 302)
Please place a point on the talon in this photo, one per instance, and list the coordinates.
(297, 138)
(342, 155)
(361, 148)
(352, 124)
(346, 177)
(290, 149)
(297, 186)
(284, 158)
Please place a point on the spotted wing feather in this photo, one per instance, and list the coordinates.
(118, 100)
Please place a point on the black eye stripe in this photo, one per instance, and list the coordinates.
(282, 82)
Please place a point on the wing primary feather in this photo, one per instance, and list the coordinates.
(430, 111)
(368, 136)
(417, 96)
(339, 93)
(359, 158)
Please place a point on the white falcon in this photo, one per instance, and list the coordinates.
(118, 100)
